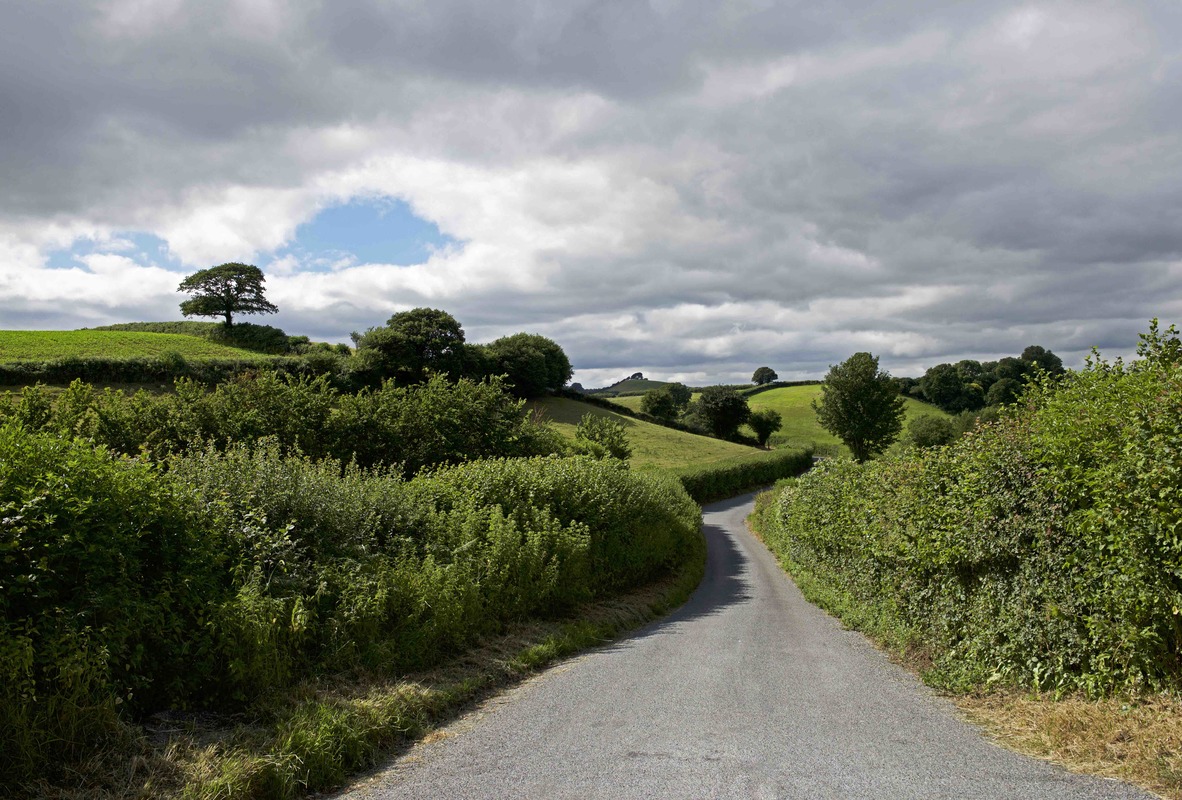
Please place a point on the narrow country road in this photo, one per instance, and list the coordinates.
(747, 691)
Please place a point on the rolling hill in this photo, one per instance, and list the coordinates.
(652, 445)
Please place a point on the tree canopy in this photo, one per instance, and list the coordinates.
(723, 410)
(225, 290)
(971, 385)
(861, 406)
(412, 345)
(532, 364)
(764, 375)
(765, 422)
(667, 401)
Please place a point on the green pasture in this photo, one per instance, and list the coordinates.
(652, 445)
(54, 345)
(801, 428)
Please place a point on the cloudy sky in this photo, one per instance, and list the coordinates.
(688, 189)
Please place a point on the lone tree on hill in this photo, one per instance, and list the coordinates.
(861, 406)
(225, 290)
(764, 375)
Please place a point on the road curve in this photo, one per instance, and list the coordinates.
(747, 691)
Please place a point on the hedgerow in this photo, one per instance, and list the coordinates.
(728, 478)
(436, 422)
(1042, 550)
(241, 571)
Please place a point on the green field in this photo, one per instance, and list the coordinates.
(801, 428)
(652, 445)
(53, 345)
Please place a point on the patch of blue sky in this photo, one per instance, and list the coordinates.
(144, 248)
(365, 231)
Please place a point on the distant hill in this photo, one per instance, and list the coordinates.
(635, 384)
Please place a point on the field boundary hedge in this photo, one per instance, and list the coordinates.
(145, 370)
(732, 477)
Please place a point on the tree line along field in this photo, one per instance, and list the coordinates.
(18, 346)
(800, 427)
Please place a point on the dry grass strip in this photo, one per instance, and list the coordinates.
(1138, 740)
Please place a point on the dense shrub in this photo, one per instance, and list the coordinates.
(603, 436)
(1040, 550)
(107, 583)
(245, 570)
(163, 369)
(639, 521)
(436, 422)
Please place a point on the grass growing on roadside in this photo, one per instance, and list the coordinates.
(51, 345)
(652, 445)
(1132, 739)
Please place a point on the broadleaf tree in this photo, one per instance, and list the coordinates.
(860, 405)
(411, 346)
(723, 410)
(764, 375)
(225, 290)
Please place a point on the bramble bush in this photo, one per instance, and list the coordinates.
(1040, 550)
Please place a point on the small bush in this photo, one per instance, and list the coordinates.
(608, 433)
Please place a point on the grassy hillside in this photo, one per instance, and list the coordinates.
(629, 387)
(800, 421)
(652, 445)
(52, 345)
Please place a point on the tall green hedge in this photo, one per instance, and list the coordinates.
(128, 589)
(728, 478)
(1044, 550)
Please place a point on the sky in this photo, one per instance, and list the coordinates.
(686, 189)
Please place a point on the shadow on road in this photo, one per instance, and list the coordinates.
(725, 581)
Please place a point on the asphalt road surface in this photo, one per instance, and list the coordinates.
(747, 691)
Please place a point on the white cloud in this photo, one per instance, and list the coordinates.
(663, 187)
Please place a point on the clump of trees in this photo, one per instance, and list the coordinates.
(667, 402)
(719, 410)
(970, 385)
(415, 344)
(861, 406)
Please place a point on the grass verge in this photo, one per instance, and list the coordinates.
(316, 737)
(1134, 739)
(1138, 740)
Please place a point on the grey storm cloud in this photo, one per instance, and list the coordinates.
(686, 188)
